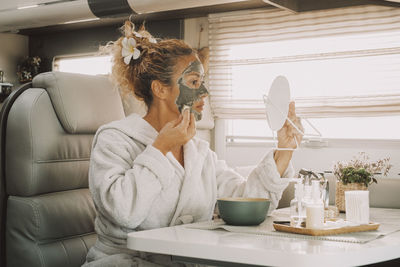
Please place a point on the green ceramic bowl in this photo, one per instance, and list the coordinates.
(243, 211)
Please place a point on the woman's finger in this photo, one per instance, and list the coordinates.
(177, 120)
(170, 124)
(185, 120)
(292, 111)
(173, 123)
(192, 124)
(293, 117)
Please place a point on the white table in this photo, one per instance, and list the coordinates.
(226, 248)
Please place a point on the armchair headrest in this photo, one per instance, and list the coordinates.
(82, 102)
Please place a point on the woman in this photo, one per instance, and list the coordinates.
(152, 172)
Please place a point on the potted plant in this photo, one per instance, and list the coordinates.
(357, 174)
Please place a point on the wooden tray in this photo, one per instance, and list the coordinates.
(319, 232)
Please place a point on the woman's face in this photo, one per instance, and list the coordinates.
(188, 89)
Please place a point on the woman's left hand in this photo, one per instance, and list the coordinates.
(287, 133)
(286, 139)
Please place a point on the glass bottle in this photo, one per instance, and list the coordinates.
(297, 208)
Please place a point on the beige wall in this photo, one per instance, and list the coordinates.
(12, 47)
(192, 34)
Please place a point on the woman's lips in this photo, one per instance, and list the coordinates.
(199, 107)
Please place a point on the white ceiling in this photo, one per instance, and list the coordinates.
(49, 12)
(59, 12)
(14, 4)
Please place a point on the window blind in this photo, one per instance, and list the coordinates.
(340, 62)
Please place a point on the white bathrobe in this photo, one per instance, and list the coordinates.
(135, 187)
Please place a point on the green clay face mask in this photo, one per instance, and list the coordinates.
(191, 87)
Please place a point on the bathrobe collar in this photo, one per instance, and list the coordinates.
(139, 129)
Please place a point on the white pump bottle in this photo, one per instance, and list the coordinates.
(315, 208)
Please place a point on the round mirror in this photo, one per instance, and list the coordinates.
(277, 103)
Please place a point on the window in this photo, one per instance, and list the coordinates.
(335, 128)
(84, 64)
(343, 66)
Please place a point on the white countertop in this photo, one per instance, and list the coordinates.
(221, 245)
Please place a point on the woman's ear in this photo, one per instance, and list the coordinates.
(159, 89)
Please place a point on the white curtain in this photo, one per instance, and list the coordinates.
(340, 62)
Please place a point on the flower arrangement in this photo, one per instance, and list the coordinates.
(28, 68)
(361, 170)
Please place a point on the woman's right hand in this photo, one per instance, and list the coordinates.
(176, 133)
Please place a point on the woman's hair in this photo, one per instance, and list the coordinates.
(157, 61)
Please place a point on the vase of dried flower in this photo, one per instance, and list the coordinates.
(340, 196)
(357, 174)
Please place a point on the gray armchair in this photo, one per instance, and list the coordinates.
(47, 128)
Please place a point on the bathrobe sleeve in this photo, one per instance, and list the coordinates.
(124, 179)
(264, 181)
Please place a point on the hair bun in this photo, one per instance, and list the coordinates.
(143, 34)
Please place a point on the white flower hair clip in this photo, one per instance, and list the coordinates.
(151, 39)
(129, 50)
